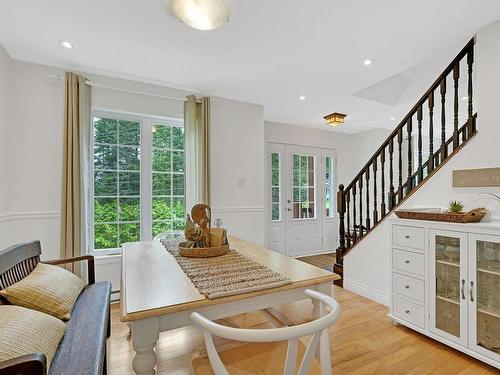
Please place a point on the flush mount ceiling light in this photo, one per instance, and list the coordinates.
(302, 97)
(200, 14)
(335, 119)
(66, 44)
(367, 62)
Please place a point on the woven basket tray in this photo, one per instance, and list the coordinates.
(473, 216)
(202, 252)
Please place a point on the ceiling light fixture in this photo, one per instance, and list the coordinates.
(393, 118)
(302, 97)
(367, 62)
(335, 119)
(465, 97)
(200, 14)
(66, 44)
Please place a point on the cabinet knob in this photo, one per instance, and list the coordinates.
(407, 236)
(407, 287)
(407, 261)
(407, 311)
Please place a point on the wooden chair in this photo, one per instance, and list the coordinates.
(264, 354)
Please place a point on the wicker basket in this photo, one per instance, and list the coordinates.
(473, 216)
(202, 252)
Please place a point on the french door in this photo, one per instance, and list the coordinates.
(301, 191)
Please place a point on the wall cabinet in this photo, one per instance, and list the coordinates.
(446, 284)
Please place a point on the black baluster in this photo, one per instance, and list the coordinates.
(409, 181)
(382, 181)
(354, 230)
(375, 209)
(367, 172)
(348, 207)
(470, 61)
(430, 164)
(444, 150)
(419, 120)
(339, 254)
(391, 174)
(360, 185)
(456, 76)
(400, 165)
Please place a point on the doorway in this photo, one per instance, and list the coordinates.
(301, 196)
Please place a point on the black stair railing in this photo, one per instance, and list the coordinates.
(381, 194)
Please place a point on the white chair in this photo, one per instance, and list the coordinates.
(248, 360)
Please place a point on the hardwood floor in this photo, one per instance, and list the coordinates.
(364, 341)
(321, 261)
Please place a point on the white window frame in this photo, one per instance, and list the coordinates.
(146, 172)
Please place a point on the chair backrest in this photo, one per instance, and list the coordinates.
(17, 262)
(317, 328)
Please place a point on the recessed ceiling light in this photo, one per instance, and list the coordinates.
(465, 97)
(393, 118)
(367, 62)
(66, 44)
(302, 97)
(200, 14)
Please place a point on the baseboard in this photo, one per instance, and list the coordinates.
(367, 292)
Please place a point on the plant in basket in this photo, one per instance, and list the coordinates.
(457, 207)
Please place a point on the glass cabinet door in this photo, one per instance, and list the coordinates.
(484, 294)
(448, 283)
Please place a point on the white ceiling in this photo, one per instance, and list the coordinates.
(270, 53)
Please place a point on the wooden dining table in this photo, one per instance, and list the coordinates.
(157, 296)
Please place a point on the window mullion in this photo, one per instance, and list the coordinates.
(146, 179)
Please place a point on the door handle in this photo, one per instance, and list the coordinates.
(463, 288)
(470, 291)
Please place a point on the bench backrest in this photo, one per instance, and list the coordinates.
(17, 262)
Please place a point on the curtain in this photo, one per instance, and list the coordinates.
(197, 151)
(75, 181)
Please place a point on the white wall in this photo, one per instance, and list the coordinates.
(366, 268)
(5, 67)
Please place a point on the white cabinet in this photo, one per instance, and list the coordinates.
(446, 284)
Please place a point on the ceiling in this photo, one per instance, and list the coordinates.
(270, 53)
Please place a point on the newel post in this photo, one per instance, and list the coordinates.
(339, 255)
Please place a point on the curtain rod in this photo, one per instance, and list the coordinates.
(95, 84)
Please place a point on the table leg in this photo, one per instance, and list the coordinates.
(145, 333)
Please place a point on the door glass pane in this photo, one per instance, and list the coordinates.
(328, 187)
(488, 295)
(117, 163)
(168, 211)
(448, 284)
(275, 187)
(304, 187)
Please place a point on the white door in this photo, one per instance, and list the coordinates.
(484, 295)
(302, 205)
(448, 286)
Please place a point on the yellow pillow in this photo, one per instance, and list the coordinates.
(24, 331)
(49, 289)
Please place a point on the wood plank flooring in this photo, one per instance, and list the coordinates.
(364, 341)
(321, 261)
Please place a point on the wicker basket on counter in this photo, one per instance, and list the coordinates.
(473, 216)
(202, 252)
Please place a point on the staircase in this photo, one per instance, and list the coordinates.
(398, 169)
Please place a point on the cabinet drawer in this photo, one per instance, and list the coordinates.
(409, 311)
(408, 236)
(409, 262)
(409, 287)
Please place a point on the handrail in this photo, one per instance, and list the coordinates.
(412, 111)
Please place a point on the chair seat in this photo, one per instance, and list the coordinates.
(255, 358)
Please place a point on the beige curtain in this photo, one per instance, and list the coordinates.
(197, 151)
(77, 118)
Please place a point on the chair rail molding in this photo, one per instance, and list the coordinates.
(238, 209)
(34, 215)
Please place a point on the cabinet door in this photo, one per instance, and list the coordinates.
(484, 295)
(448, 285)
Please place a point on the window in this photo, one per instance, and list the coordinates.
(303, 187)
(168, 178)
(138, 168)
(329, 187)
(275, 187)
